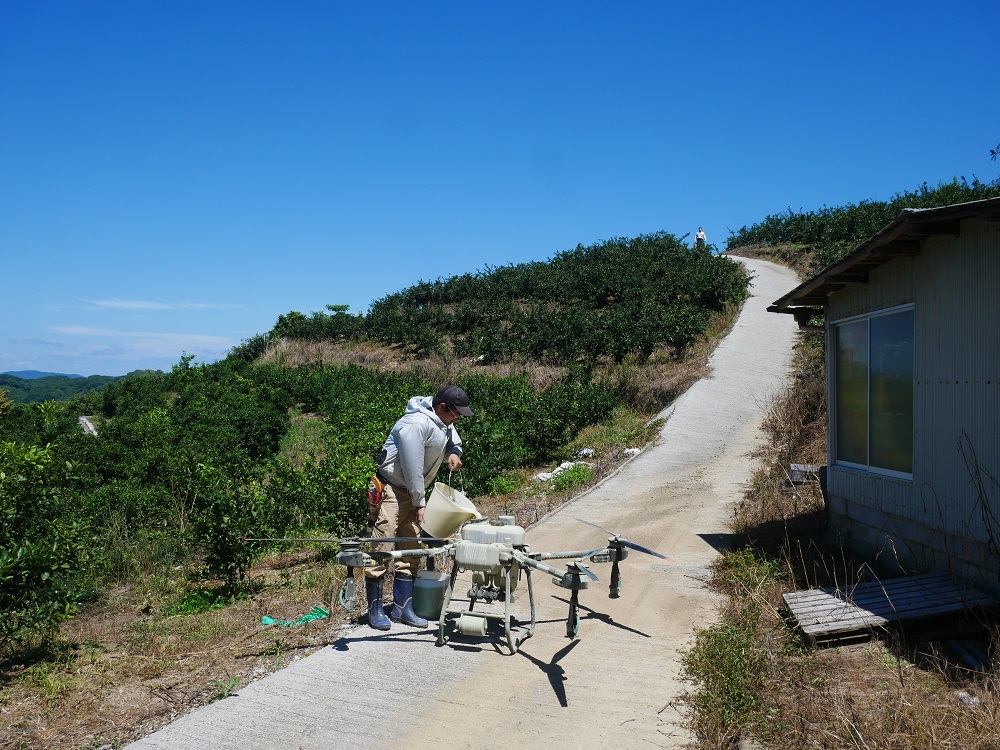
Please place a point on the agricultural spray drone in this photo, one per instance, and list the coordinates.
(497, 555)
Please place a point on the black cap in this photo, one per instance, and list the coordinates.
(456, 397)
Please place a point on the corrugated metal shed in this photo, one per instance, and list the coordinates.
(946, 263)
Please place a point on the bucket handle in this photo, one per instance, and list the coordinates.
(461, 478)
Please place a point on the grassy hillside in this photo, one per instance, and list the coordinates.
(611, 300)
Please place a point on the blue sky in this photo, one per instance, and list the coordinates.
(175, 175)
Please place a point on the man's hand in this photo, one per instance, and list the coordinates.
(454, 461)
(420, 515)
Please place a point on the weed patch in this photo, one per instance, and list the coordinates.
(575, 476)
(198, 600)
(222, 688)
(728, 666)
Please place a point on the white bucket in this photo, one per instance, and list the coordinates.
(428, 593)
(447, 509)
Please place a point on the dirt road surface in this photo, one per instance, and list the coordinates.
(617, 684)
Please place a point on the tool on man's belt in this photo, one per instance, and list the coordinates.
(376, 491)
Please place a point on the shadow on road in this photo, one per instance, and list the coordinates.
(422, 636)
(552, 670)
(720, 542)
(606, 619)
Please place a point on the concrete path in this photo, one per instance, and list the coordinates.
(615, 686)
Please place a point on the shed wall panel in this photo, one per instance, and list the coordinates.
(888, 286)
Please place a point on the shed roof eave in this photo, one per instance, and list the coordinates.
(903, 237)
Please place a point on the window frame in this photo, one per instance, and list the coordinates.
(833, 395)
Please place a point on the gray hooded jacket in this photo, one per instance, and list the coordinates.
(415, 448)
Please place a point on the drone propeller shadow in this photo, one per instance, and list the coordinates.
(552, 670)
(605, 618)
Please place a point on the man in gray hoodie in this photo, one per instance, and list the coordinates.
(417, 446)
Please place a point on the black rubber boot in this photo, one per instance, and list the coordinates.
(402, 604)
(376, 610)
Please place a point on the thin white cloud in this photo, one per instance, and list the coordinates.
(139, 344)
(128, 304)
(139, 304)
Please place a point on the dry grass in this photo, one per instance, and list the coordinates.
(797, 257)
(123, 668)
(900, 690)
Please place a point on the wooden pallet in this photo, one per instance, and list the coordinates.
(849, 612)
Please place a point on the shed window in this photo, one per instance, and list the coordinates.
(873, 392)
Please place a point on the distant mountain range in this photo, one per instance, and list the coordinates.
(33, 387)
(35, 374)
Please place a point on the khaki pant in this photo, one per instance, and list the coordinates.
(396, 517)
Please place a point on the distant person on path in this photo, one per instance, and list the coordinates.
(422, 439)
(699, 238)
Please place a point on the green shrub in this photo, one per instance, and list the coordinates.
(616, 298)
(832, 232)
(729, 669)
(41, 548)
(196, 601)
(504, 484)
(574, 476)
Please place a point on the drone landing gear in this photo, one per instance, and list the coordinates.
(573, 621)
(471, 623)
(616, 580)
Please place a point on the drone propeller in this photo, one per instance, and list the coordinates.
(626, 542)
(348, 539)
(579, 565)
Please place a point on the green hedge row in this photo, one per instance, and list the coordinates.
(616, 298)
(833, 232)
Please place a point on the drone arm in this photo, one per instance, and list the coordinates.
(531, 562)
(576, 554)
(399, 554)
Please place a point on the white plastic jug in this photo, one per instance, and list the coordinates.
(447, 509)
(428, 593)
